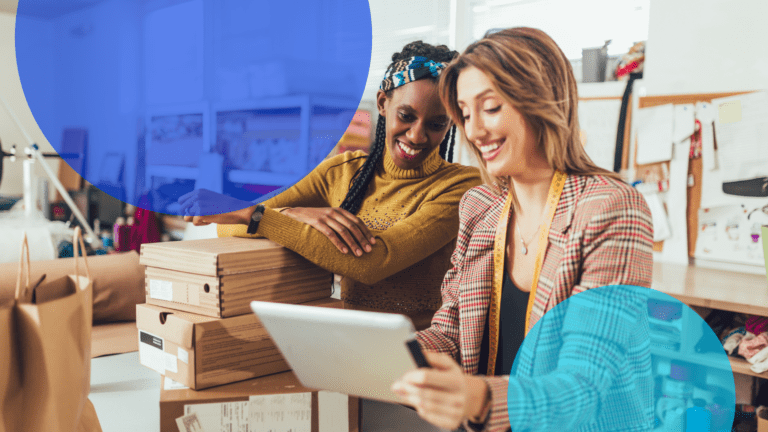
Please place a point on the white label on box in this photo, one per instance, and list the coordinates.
(333, 411)
(170, 384)
(151, 352)
(183, 355)
(171, 363)
(189, 423)
(161, 290)
(281, 412)
(225, 416)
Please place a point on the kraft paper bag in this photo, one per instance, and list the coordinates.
(10, 384)
(89, 422)
(52, 348)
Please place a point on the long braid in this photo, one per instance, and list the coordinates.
(362, 178)
(446, 145)
(451, 144)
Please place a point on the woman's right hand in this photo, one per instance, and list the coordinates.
(443, 394)
(345, 230)
(242, 217)
(203, 207)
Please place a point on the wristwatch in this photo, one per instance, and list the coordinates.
(258, 213)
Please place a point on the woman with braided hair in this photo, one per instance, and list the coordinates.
(387, 222)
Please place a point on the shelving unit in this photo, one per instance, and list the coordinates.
(307, 125)
(171, 171)
(262, 177)
(711, 288)
(311, 114)
(715, 289)
(185, 142)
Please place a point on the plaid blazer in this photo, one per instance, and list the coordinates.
(601, 234)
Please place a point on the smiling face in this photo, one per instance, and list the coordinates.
(416, 122)
(504, 139)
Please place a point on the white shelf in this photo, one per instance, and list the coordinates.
(263, 178)
(171, 171)
(737, 364)
(699, 359)
(281, 102)
(677, 323)
(304, 135)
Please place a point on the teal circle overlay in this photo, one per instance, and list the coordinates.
(617, 357)
(151, 100)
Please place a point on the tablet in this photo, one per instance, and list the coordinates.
(352, 352)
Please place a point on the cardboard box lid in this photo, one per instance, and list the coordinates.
(280, 383)
(179, 327)
(175, 326)
(219, 256)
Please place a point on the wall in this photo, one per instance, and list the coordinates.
(706, 46)
(111, 30)
(574, 25)
(693, 46)
(398, 22)
(106, 37)
(10, 89)
(110, 38)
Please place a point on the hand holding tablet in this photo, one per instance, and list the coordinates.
(444, 394)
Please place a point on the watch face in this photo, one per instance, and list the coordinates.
(258, 213)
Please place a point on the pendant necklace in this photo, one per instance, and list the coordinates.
(522, 242)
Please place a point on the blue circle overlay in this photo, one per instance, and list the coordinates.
(150, 101)
(621, 357)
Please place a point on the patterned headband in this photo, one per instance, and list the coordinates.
(408, 70)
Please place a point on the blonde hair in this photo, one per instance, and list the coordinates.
(528, 69)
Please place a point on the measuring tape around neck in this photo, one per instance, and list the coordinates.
(499, 262)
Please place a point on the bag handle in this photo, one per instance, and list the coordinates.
(24, 253)
(78, 243)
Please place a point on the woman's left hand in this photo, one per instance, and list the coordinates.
(443, 394)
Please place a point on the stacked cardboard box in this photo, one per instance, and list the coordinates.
(274, 402)
(220, 277)
(197, 327)
(202, 352)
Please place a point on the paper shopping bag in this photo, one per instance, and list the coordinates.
(10, 384)
(89, 422)
(53, 322)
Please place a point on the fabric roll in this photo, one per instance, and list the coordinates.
(118, 282)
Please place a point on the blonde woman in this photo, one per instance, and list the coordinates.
(546, 225)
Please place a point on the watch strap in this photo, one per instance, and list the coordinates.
(256, 216)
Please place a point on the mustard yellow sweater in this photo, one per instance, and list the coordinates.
(412, 213)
